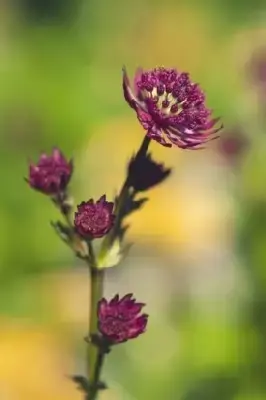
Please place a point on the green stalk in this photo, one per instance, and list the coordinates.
(95, 355)
(97, 371)
(96, 284)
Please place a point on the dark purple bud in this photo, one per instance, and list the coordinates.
(94, 220)
(144, 173)
(120, 320)
(51, 174)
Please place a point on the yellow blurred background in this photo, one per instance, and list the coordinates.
(199, 254)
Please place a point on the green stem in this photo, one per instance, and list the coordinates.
(68, 221)
(95, 355)
(144, 146)
(92, 258)
(93, 351)
(98, 368)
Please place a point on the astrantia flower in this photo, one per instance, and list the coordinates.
(170, 108)
(94, 220)
(51, 174)
(144, 173)
(120, 320)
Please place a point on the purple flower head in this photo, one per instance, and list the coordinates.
(170, 108)
(144, 173)
(120, 320)
(94, 220)
(51, 174)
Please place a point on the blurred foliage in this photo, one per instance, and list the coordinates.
(60, 80)
(44, 10)
(43, 102)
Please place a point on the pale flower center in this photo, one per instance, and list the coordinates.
(164, 101)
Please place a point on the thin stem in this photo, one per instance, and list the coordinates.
(96, 277)
(92, 258)
(75, 242)
(95, 356)
(68, 220)
(144, 146)
(95, 382)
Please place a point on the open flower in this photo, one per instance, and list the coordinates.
(51, 174)
(170, 108)
(120, 320)
(94, 220)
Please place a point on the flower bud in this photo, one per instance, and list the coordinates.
(94, 220)
(120, 320)
(51, 174)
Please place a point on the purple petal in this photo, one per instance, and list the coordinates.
(156, 134)
(57, 155)
(128, 93)
(126, 298)
(34, 169)
(109, 206)
(138, 327)
(102, 199)
(145, 119)
(134, 309)
(102, 306)
(114, 300)
(211, 123)
(137, 76)
(44, 157)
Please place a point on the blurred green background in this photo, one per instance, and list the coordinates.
(199, 259)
